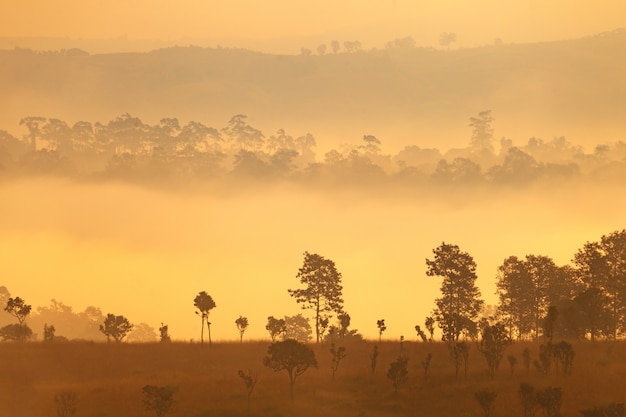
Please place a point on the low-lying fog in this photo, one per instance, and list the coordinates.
(145, 253)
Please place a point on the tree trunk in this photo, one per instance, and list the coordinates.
(202, 330)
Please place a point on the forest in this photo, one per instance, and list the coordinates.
(130, 150)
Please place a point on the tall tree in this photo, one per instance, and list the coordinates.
(482, 133)
(602, 266)
(204, 303)
(460, 303)
(323, 290)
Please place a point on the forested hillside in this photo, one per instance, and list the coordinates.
(403, 94)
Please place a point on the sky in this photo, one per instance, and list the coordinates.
(372, 22)
(146, 254)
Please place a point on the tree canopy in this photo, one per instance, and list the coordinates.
(322, 290)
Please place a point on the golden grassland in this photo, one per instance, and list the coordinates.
(107, 380)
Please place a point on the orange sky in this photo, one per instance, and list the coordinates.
(475, 22)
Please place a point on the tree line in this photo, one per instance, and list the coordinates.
(537, 298)
(127, 148)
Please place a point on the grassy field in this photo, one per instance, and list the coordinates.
(107, 380)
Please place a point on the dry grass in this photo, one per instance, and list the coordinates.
(107, 380)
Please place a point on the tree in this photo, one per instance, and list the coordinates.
(381, 328)
(528, 397)
(323, 290)
(204, 303)
(602, 265)
(460, 304)
(338, 355)
(429, 322)
(15, 333)
(482, 133)
(250, 382)
(298, 328)
(164, 333)
(48, 333)
(34, 131)
(116, 327)
(275, 327)
(242, 326)
(374, 358)
(486, 399)
(291, 356)
(398, 372)
(18, 308)
(158, 399)
(447, 38)
(492, 344)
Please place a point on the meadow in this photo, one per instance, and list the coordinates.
(107, 380)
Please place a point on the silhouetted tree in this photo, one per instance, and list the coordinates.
(158, 399)
(15, 333)
(242, 326)
(275, 327)
(335, 46)
(460, 302)
(18, 308)
(528, 397)
(381, 328)
(48, 333)
(338, 354)
(291, 356)
(493, 342)
(250, 382)
(398, 372)
(242, 136)
(322, 292)
(601, 265)
(486, 399)
(481, 141)
(550, 400)
(116, 327)
(33, 123)
(429, 322)
(204, 303)
(164, 335)
(298, 328)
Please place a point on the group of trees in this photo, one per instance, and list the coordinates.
(536, 296)
(131, 149)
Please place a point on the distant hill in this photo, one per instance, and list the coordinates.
(575, 88)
